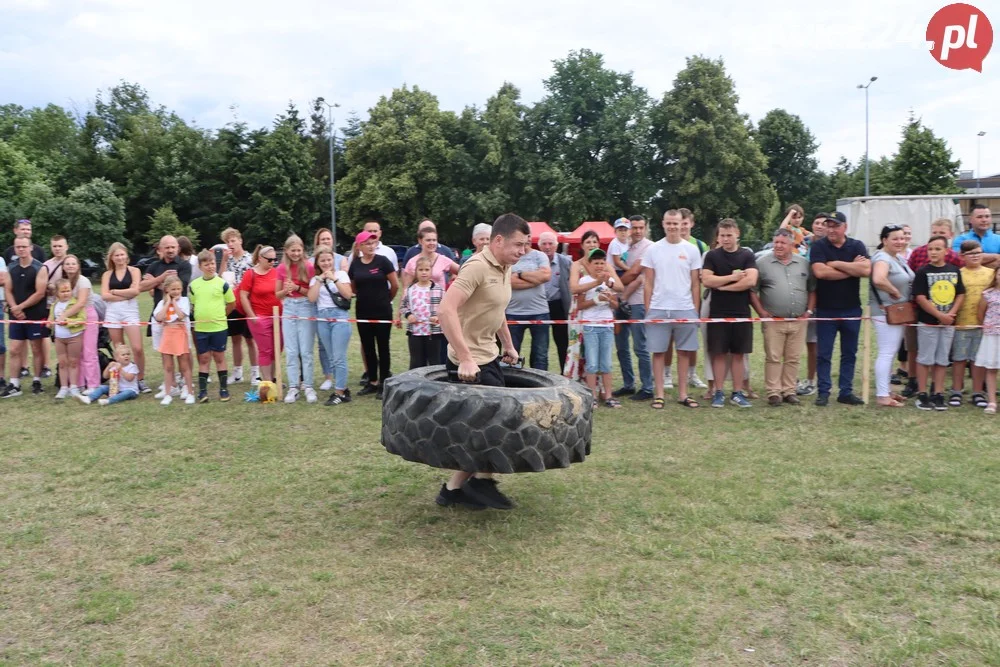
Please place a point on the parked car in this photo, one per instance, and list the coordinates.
(400, 251)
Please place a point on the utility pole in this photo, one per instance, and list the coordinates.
(867, 173)
(333, 203)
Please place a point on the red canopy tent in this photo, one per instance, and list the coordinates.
(538, 228)
(605, 233)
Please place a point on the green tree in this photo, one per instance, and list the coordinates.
(708, 160)
(848, 180)
(405, 165)
(91, 217)
(923, 164)
(277, 175)
(593, 126)
(790, 149)
(165, 222)
(48, 137)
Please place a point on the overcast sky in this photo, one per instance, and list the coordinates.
(200, 58)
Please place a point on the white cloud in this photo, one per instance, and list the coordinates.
(202, 57)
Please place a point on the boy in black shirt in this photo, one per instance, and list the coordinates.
(939, 294)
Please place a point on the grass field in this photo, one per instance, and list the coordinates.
(250, 534)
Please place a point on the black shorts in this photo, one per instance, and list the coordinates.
(210, 341)
(238, 325)
(490, 375)
(730, 338)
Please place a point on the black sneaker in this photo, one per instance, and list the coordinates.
(447, 498)
(370, 389)
(924, 401)
(24, 373)
(378, 394)
(36, 387)
(850, 399)
(364, 379)
(486, 492)
(46, 372)
(11, 391)
(337, 399)
(911, 388)
(938, 401)
(822, 400)
(203, 397)
(624, 391)
(641, 395)
(223, 394)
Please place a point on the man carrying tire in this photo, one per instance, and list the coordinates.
(472, 316)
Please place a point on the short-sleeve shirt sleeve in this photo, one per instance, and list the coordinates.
(470, 277)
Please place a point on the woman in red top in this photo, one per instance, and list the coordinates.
(257, 296)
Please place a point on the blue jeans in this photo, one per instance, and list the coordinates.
(539, 338)
(598, 340)
(299, 340)
(123, 395)
(826, 332)
(333, 337)
(638, 333)
(324, 356)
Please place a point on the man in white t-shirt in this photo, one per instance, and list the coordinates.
(671, 290)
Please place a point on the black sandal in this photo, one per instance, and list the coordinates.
(690, 403)
(657, 404)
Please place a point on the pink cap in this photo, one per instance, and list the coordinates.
(363, 236)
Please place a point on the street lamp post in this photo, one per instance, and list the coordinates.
(979, 155)
(867, 173)
(333, 204)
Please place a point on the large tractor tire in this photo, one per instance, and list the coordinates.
(538, 421)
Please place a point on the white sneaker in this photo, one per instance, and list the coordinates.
(695, 381)
(189, 399)
(102, 401)
(254, 376)
(184, 393)
(62, 393)
(167, 400)
(83, 399)
(292, 395)
(327, 385)
(236, 375)
(74, 392)
(668, 379)
(160, 394)
(310, 395)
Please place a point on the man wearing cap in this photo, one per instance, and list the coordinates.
(839, 263)
(22, 230)
(634, 297)
(472, 318)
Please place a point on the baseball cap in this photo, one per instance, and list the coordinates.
(363, 236)
(597, 253)
(623, 222)
(836, 218)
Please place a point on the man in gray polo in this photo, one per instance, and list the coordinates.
(557, 292)
(528, 302)
(785, 288)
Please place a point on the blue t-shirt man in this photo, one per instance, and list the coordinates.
(989, 241)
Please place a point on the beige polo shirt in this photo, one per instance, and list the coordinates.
(487, 285)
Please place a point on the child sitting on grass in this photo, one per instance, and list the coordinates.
(122, 383)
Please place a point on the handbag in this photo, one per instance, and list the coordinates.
(338, 299)
(896, 313)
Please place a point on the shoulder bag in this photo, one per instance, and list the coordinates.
(896, 313)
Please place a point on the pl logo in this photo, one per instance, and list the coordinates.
(960, 37)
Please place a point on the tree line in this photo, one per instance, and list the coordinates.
(596, 146)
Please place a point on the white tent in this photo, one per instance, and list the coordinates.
(867, 215)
